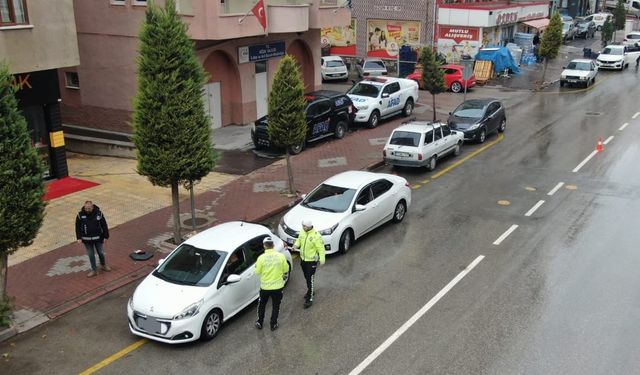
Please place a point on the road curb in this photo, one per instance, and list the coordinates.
(8, 333)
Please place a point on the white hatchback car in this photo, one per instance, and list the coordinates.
(371, 68)
(333, 68)
(421, 143)
(581, 72)
(202, 283)
(348, 205)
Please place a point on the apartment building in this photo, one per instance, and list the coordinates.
(36, 40)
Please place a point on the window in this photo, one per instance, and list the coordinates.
(380, 187)
(13, 12)
(140, 2)
(188, 265)
(438, 133)
(394, 87)
(261, 66)
(117, 2)
(235, 265)
(493, 107)
(428, 137)
(445, 130)
(403, 138)
(253, 249)
(329, 198)
(323, 107)
(364, 197)
(72, 81)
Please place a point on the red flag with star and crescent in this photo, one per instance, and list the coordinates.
(260, 13)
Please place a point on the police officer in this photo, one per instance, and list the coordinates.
(311, 248)
(272, 267)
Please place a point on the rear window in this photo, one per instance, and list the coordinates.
(334, 63)
(341, 101)
(374, 65)
(633, 36)
(403, 138)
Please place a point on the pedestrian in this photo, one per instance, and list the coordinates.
(92, 231)
(311, 248)
(272, 267)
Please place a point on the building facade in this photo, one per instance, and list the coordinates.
(238, 55)
(35, 41)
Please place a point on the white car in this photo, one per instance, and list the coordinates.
(203, 282)
(348, 205)
(421, 143)
(371, 68)
(632, 39)
(579, 72)
(333, 68)
(598, 19)
(617, 57)
(377, 98)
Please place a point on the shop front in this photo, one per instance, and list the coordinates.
(39, 100)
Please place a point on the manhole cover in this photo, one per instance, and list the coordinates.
(594, 113)
(504, 202)
(199, 221)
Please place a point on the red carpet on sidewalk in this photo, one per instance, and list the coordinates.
(67, 185)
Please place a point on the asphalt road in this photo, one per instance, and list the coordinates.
(558, 295)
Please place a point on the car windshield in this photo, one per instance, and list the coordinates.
(469, 110)
(334, 63)
(188, 265)
(613, 51)
(365, 89)
(402, 138)
(374, 65)
(329, 198)
(583, 25)
(565, 26)
(577, 65)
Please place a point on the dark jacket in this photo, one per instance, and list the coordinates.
(91, 227)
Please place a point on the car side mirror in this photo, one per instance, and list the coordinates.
(450, 113)
(564, 67)
(232, 279)
(160, 261)
(360, 207)
(385, 95)
(303, 196)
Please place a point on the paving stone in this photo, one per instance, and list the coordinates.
(264, 187)
(332, 162)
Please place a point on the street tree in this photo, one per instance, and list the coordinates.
(432, 75)
(171, 129)
(551, 42)
(619, 18)
(21, 185)
(607, 32)
(287, 126)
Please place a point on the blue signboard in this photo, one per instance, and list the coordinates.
(258, 52)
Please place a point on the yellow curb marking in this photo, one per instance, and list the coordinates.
(425, 181)
(530, 188)
(504, 202)
(574, 91)
(109, 360)
(571, 187)
(416, 186)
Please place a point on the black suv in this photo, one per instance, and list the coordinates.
(328, 113)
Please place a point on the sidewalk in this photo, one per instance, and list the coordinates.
(48, 279)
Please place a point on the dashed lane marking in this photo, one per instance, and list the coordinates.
(585, 161)
(635, 115)
(505, 235)
(556, 188)
(608, 140)
(109, 360)
(534, 208)
(623, 126)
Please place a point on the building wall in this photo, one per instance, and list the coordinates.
(48, 42)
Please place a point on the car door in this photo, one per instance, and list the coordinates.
(428, 146)
(492, 119)
(395, 98)
(363, 221)
(319, 118)
(383, 201)
(233, 297)
(447, 138)
(439, 144)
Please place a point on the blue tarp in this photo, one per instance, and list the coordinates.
(501, 58)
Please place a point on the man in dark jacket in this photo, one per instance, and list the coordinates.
(92, 231)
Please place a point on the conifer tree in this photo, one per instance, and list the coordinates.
(619, 18)
(21, 184)
(551, 42)
(171, 128)
(287, 126)
(607, 32)
(432, 75)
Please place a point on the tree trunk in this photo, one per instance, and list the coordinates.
(544, 70)
(175, 199)
(290, 173)
(434, 107)
(4, 257)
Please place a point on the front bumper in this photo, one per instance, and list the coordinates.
(609, 65)
(470, 135)
(331, 242)
(178, 332)
(362, 115)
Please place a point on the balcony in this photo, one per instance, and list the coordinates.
(329, 13)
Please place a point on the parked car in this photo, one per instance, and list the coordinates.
(201, 284)
(566, 18)
(598, 19)
(586, 29)
(617, 57)
(632, 39)
(453, 78)
(329, 113)
(371, 68)
(477, 118)
(347, 206)
(568, 30)
(379, 97)
(333, 68)
(421, 143)
(579, 72)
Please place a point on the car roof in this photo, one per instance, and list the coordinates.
(332, 58)
(581, 60)
(322, 94)
(634, 33)
(418, 126)
(353, 179)
(227, 236)
(484, 101)
(373, 59)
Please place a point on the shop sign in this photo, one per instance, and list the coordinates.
(387, 8)
(341, 40)
(532, 16)
(36, 88)
(385, 37)
(258, 52)
(458, 34)
(507, 18)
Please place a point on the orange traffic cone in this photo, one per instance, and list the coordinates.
(600, 146)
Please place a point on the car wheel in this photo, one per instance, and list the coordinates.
(432, 163)
(341, 130)
(399, 212)
(456, 87)
(503, 125)
(456, 150)
(408, 108)
(345, 241)
(211, 325)
(295, 150)
(561, 83)
(373, 119)
(482, 136)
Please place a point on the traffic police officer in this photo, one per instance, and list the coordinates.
(272, 267)
(311, 248)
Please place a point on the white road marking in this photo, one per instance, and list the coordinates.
(585, 161)
(556, 188)
(623, 126)
(635, 115)
(608, 140)
(387, 343)
(505, 235)
(534, 208)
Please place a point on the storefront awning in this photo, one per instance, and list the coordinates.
(539, 24)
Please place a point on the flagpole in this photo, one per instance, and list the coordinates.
(245, 16)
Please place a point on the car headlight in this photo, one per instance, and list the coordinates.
(253, 127)
(363, 107)
(131, 302)
(563, 77)
(583, 78)
(191, 310)
(474, 126)
(328, 232)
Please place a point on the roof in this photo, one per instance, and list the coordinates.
(418, 126)
(489, 6)
(539, 24)
(226, 236)
(484, 101)
(582, 60)
(352, 179)
(332, 58)
(322, 94)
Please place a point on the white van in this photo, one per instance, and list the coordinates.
(598, 19)
(631, 6)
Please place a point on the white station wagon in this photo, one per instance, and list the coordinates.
(378, 97)
(421, 143)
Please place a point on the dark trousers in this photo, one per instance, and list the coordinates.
(309, 271)
(92, 248)
(276, 298)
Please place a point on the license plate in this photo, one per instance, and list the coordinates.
(149, 325)
(402, 154)
(572, 80)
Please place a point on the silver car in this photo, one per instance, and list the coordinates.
(371, 68)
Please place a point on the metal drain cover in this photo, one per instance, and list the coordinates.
(594, 113)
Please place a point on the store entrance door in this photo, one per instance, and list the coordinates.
(213, 103)
(262, 106)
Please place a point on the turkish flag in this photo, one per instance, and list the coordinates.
(260, 13)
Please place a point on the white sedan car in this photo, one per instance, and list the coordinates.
(581, 72)
(348, 205)
(203, 282)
